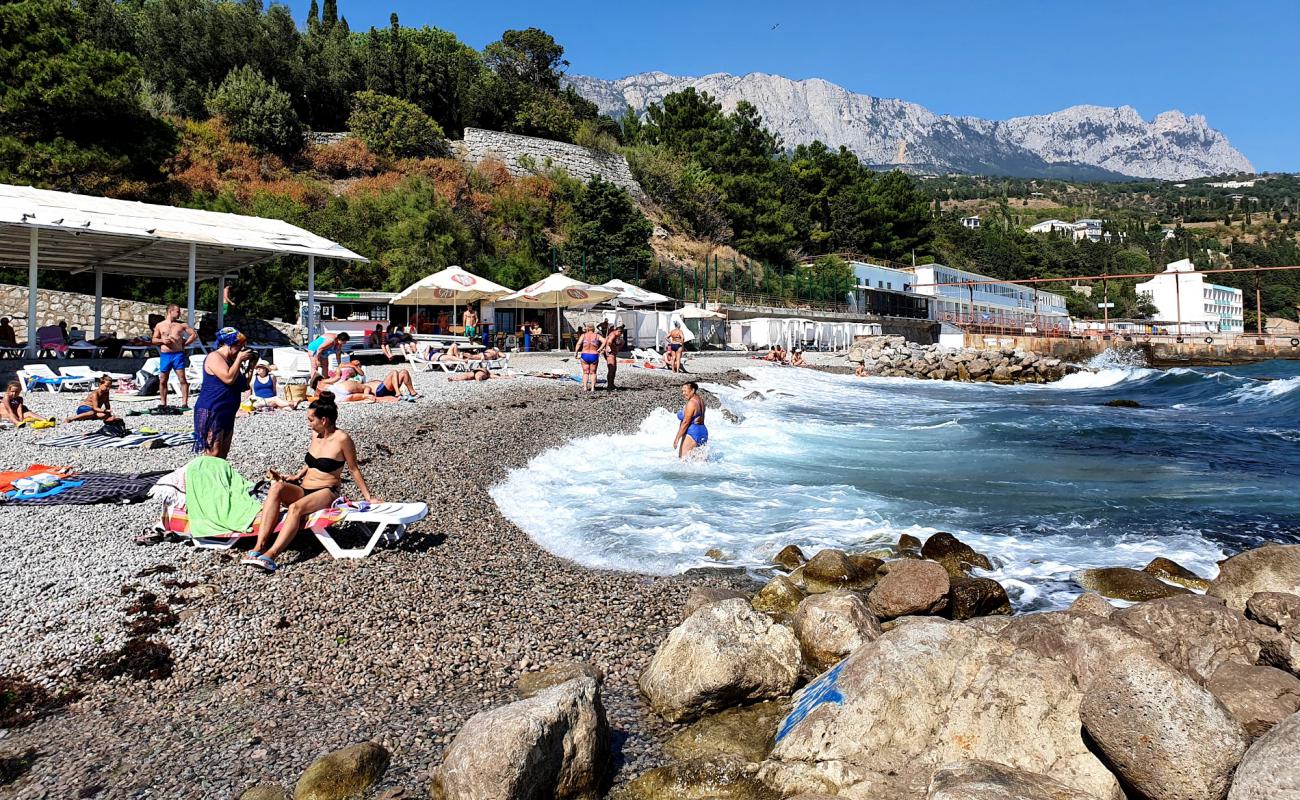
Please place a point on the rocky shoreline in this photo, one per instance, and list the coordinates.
(895, 357)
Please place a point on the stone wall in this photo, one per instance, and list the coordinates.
(581, 162)
(126, 318)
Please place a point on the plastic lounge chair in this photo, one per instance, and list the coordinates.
(90, 373)
(390, 521)
(34, 375)
(429, 365)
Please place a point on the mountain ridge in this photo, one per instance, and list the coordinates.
(1082, 141)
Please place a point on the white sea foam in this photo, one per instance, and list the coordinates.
(1102, 378)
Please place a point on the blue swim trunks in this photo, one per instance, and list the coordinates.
(83, 409)
(172, 362)
(589, 358)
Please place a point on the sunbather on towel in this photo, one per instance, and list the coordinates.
(476, 374)
(313, 488)
(397, 383)
(97, 404)
(13, 410)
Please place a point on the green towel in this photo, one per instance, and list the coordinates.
(217, 498)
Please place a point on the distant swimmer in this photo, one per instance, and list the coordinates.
(861, 371)
(691, 433)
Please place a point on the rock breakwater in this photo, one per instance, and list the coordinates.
(895, 357)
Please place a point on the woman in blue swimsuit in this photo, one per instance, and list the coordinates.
(224, 383)
(588, 350)
(691, 433)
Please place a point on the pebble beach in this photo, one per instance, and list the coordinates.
(267, 672)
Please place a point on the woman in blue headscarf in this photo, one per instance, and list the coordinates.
(225, 380)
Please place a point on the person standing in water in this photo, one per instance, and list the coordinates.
(588, 351)
(691, 433)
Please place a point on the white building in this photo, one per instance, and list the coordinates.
(1053, 226)
(971, 222)
(1182, 295)
(993, 304)
(887, 292)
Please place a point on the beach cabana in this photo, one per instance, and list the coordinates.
(453, 287)
(78, 233)
(557, 291)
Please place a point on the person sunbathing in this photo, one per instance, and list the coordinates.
(97, 404)
(861, 371)
(796, 359)
(313, 488)
(349, 391)
(475, 374)
(14, 410)
(397, 383)
(263, 390)
(452, 353)
(774, 354)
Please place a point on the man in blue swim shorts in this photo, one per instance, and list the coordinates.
(171, 337)
(691, 433)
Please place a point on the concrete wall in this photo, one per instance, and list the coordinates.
(1192, 352)
(126, 318)
(580, 162)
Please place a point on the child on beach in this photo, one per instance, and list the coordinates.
(14, 410)
(96, 405)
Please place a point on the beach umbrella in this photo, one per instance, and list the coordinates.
(453, 287)
(632, 296)
(557, 291)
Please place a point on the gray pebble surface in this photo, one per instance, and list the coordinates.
(271, 671)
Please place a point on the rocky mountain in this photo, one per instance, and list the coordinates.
(1082, 142)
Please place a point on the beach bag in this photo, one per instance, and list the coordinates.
(148, 386)
(116, 428)
(295, 392)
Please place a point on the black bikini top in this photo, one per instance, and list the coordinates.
(323, 464)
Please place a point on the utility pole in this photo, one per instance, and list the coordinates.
(1105, 304)
(1259, 310)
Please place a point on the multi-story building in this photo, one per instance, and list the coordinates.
(1189, 304)
(887, 292)
(977, 300)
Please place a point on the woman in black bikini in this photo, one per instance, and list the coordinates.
(313, 488)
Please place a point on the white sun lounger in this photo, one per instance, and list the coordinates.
(429, 365)
(33, 375)
(91, 373)
(389, 521)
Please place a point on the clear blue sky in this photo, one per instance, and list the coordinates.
(1239, 68)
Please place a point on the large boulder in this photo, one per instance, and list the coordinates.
(555, 744)
(746, 733)
(1196, 634)
(1279, 612)
(1273, 568)
(988, 780)
(832, 625)
(343, 774)
(910, 587)
(1122, 583)
(790, 558)
(718, 778)
(779, 596)
(724, 654)
(942, 545)
(923, 695)
(976, 597)
(530, 683)
(1164, 735)
(1268, 772)
(1085, 644)
(701, 596)
(264, 791)
(1258, 697)
(834, 569)
(1092, 603)
(1169, 570)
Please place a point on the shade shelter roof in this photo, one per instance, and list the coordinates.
(451, 286)
(632, 296)
(558, 290)
(80, 232)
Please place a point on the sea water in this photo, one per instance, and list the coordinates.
(1046, 480)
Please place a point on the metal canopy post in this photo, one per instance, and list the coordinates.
(189, 307)
(31, 292)
(99, 301)
(311, 297)
(221, 302)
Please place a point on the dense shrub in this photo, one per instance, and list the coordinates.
(394, 128)
(348, 158)
(257, 111)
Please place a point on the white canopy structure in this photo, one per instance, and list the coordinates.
(79, 233)
(557, 291)
(633, 296)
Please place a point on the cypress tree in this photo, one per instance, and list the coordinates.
(313, 18)
(330, 15)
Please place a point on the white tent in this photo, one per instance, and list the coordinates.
(557, 291)
(453, 287)
(78, 233)
(699, 312)
(632, 296)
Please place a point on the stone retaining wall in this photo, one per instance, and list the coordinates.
(126, 318)
(581, 162)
